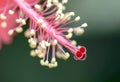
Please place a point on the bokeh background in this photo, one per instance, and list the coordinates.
(102, 39)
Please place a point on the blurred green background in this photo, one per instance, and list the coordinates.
(102, 39)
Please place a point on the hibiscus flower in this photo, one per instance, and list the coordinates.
(47, 30)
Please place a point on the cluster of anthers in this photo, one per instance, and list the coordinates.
(48, 31)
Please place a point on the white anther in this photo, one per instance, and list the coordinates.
(77, 18)
(59, 12)
(2, 16)
(49, 5)
(19, 29)
(32, 53)
(32, 32)
(60, 6)
(37, 6)
(79, 31)
(73, 42)
(64, 1)
(42, 44)
(69, 35)
(63, 8)
(46, 63)
(49, 1)
(67, 55)
(70, 30)
(84, 25)
(10, 32)
(47, 44)
(72, 13)
(53, 60)
(33, 44)
(62, 16)
(19, 20)
(11, 12)
(54, 42)
(37, 51)
(55, 64)
(27, 33)
(58, 17)
(23, 21)
(52, 65)
(41, 55)
(40, 21)
(55, 2)
(43, 25)
(58, 54)
(3, 24)
(42, 62)
(30, 40)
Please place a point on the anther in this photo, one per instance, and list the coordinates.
(64, 1)
(54, 42)
(73, 42)
(11, 12)
(27, 33)
(70, 30)
(3, 24)
(55, 2)
(10, 32)
(42, 62)
(43, 25)
(40, 21)
(32, 53)
(77, 18)
(38, 7)
(2, 16)
(23, 22)
(69, 35)
(72, 13)
(84, 25)
(32, 32)
(67, 55)
(79, 31)
(53, 60)
(19, 29)
(49, 5)
(33, 44)
(41, 55)
(19, 20)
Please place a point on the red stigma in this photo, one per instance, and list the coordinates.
(78, 54)
(83, 57)
(81, 53)
(82, 49)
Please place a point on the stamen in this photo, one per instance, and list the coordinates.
(84, 25)
(19, 29)
(3, 24)
(2, 16)
(32, 32)
(10, 32)
(11, 12)
(77, 18)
